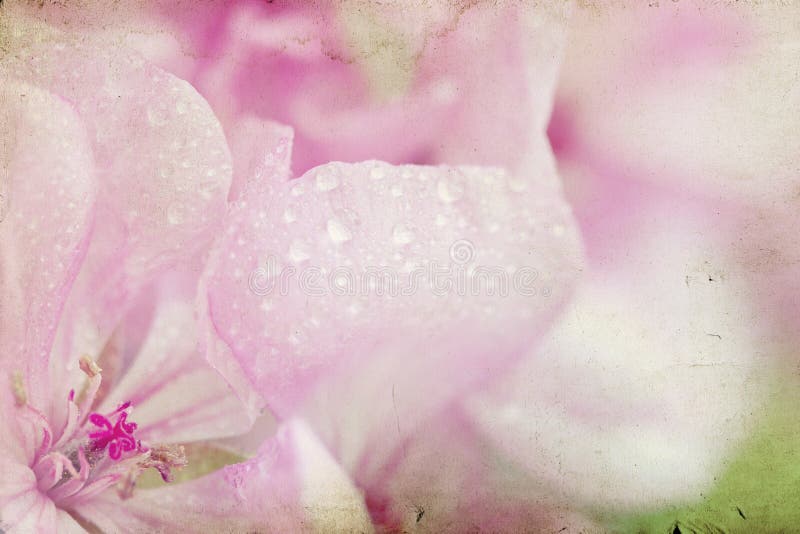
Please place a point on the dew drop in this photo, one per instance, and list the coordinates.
(327, 181)
(517, 185)
(338, 232)
(298, 190)
(298, 251)
(289, 216)
(156, 117)
(449, 192)
(402, 234)
(175, 214)
(297, 337)
(377, 173)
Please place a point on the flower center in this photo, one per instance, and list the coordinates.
(91, 451)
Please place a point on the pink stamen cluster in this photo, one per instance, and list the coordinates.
(71, 465)
(89, 452)
(118, 438)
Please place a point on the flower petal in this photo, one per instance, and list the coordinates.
(252, 142)
(648, 381)
(47, 193)
(164, 168)
(293, 485)
(175, 395)
(628, 97)
(359, 361)
(23, 508)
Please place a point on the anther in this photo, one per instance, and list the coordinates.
(89, 366)
(164, 458)
(18, 387)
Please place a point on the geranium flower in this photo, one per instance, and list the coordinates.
(390, 169)
(115, 175)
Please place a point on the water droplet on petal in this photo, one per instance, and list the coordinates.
(298, 251)
(175, 214)
(289, 216)
(377, 173)
(156, 116)
(298, 190)
(327, 181)
(402, 234)
(297, 337)
(449, 192)
(338, 232)
(517, 185)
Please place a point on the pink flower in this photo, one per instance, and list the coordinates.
(115, 175)
(361, 217)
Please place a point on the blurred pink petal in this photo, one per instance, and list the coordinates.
(648, 381)
(446, 478)
(323, 72)
(471, 82)
(699, 98)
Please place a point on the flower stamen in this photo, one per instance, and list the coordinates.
(89, 366)
(18, 388)
(164, 458)
(118, 438)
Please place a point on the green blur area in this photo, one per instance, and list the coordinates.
(760, 490)
(201, 460)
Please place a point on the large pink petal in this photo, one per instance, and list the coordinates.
(164, 171)
(360, 363)
(292, 485)
(47, 193)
